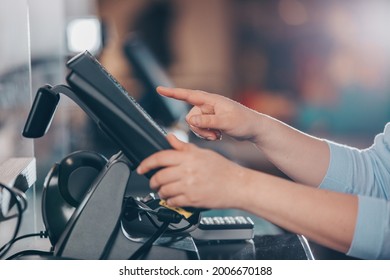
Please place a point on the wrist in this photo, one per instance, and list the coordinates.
(242, 188)
(257, 129)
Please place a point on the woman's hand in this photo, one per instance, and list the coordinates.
(214, 114)
(300, 156)
(191, 176)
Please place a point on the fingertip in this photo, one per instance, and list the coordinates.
(168, 202)
(172, 139)
(139, 170)
(175, 142)
(152, 183)
(171, 136)
(161, 89)
(211, 137)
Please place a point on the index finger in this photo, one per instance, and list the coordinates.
(193, 97)
(157, 160)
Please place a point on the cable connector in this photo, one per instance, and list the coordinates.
(43, 234)
(167, 215)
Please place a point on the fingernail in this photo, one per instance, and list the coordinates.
(139, 170)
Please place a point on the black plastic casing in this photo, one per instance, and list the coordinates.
(114, 111)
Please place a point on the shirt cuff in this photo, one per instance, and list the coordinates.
(368, 240)
(339, 172)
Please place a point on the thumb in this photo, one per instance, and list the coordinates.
(205, 121)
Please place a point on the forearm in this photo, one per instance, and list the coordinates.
(302, 157)
(322, 216)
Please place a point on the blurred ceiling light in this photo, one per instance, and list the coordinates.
(292, 12)
(374, 22)
(84, 34)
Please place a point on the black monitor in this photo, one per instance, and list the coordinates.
(166, 111)
(114, 111)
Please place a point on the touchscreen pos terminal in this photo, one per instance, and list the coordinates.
(96, 229)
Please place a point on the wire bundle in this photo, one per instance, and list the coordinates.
(21, 205)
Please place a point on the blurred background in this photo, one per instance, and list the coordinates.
(321, 66)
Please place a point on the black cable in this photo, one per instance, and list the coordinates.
(167, 216)
(178, 230)
(29, 253)
(18, 197)
(42, 234)
(153, 222)
(141, 206)
(142, 250)
(164, 215)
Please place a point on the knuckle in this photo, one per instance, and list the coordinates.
(157, 159)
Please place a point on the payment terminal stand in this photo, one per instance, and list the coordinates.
(96, 229)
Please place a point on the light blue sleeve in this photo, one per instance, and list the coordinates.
(365, 173)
